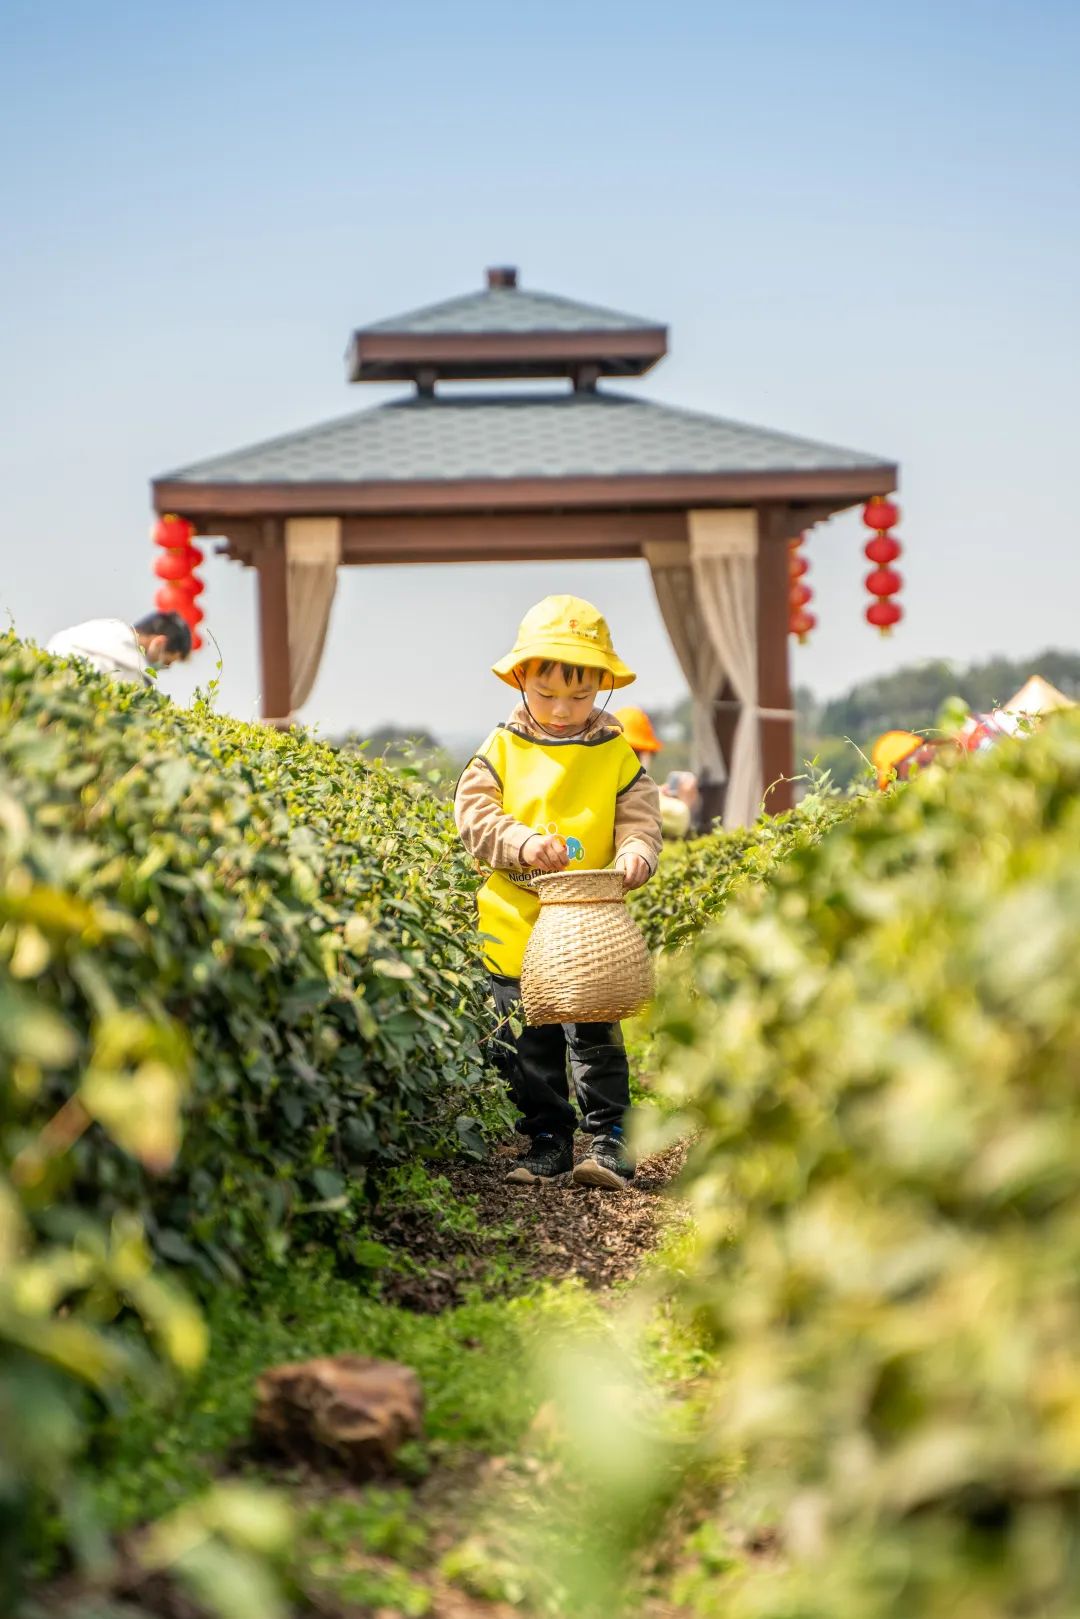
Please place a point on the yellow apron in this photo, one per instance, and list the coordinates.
(566, 787)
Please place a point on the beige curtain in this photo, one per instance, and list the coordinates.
(312, 555)
(723, 560)
(673, 583)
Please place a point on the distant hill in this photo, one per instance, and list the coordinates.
(839, 732)
(910, 698)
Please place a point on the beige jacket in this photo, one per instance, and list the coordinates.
(495, 839)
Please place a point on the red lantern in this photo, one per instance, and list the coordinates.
(173, 532)
(882, 549)
(883, 582)
(177, 563)
(191, 586)
(176, 566)
(196, 641)
(800, 622)
(883, 615)
(881, 514)
(171, 600)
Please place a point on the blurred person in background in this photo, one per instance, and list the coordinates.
(638, 730)
(680, 800)
(680, 804)
(114, 647)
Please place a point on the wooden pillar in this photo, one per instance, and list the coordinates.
(774, 674)
(725, 720)
(274, 624)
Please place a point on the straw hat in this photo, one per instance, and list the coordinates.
(564, 629)
(638, 730)
(1037, 696)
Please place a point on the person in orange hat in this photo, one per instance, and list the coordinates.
(638, 731)
(558, 783)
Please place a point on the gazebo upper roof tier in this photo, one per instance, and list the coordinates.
(515, 450)
(505, 331)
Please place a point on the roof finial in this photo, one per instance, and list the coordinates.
(502, 275)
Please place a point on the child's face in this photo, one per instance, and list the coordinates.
(557, 703)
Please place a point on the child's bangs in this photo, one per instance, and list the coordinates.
(574, 674)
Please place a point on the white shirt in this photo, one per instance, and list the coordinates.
(107, 644)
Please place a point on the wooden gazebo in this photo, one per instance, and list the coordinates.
(525, 473)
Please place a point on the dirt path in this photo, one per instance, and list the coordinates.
(553, 1231)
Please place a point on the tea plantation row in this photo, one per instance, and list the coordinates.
(212, 918)
(698, 877)
(879, 1053)
(234, 976)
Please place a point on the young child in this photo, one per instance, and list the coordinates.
(558, 783)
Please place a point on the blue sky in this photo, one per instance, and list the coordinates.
(860, 221)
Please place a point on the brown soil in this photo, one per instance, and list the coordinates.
(552, 1230)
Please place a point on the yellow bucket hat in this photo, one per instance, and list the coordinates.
(564, 629)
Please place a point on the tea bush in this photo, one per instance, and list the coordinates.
(697, 877)
(199, 910)
(233, 974)
(880, 1052)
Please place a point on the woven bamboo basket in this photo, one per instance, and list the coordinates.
(586, 960)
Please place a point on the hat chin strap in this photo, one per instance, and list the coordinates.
(597, 714)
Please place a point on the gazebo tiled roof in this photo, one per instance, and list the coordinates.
(504, 331)
(511, 309)
(509, 436)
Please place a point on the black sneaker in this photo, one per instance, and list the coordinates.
(547, 1158)
(606, 1164)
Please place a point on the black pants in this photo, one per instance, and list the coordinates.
(533, 1064)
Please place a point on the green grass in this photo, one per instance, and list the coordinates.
(422, 1190)
(342, 1535)
(157, 1452)
(160, 1453)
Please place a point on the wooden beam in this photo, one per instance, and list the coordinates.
(515, 537)
(490, 537)
(774, 674)
(274, 624)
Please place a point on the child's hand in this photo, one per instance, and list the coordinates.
(635, 869)
(548, 853)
